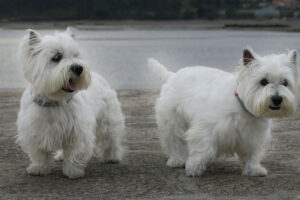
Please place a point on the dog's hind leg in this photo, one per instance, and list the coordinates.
(177, 148)
(110, 133)
(171, 134)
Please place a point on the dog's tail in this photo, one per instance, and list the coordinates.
(158, 69)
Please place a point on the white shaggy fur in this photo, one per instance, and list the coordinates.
(83, 118)
(200, 118)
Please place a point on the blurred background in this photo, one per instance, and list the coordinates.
(119, 36)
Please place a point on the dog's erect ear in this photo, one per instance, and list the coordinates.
(293, 56)
(70, 32)
(248, 56)
(34, 38)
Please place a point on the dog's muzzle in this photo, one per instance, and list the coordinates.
(71, 85)
(276, 101)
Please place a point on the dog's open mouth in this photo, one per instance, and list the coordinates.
(274, 107)
(70, 87)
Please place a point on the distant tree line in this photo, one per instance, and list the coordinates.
(18, 10)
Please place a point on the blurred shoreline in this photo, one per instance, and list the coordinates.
(118, 50)
(271, 25)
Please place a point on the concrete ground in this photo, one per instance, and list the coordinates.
(143, 173)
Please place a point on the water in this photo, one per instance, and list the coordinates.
(120, 56)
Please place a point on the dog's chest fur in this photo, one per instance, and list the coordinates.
(59, 124)
(54, 126)
(236, 131)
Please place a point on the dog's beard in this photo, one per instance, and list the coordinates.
(263, 107)
(60, 83)
(72, 83)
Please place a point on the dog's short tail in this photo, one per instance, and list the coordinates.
(158, 69)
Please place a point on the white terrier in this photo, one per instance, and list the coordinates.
(203, 112)
(65, 107)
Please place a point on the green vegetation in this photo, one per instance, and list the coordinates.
(114, 9)
(31, 10)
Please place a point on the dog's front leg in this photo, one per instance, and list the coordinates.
(77, 154)
(252, 151)
(254, 168)
(39, 162)
(251, 161)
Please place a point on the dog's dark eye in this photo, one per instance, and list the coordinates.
(264, 82)
(285, 83)
(57, 57)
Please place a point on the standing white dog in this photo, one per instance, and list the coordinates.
(204, 112)
(66, 107)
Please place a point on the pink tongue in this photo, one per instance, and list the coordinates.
(72, 85)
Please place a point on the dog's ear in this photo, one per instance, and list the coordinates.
(34, 38)
(248, 56)
(293, 56)
(70, 32)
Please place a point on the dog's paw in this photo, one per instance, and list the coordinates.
(173, 162)
(38, 170)
(112, 158)
(110, 161)
(73, 172)
(255, 171)
(59, 155)
(192, 169)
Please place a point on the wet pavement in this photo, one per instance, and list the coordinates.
(143, 173)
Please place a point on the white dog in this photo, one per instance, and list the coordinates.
(65, 107)
(203, 112)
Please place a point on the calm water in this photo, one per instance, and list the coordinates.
(120, 56)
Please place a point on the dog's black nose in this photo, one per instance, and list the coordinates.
(77, 69)
(276, 100)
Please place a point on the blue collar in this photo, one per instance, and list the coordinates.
(242, 104)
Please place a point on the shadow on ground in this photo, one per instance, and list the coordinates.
(143, 173)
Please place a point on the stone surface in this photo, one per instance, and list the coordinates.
(143, 173)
